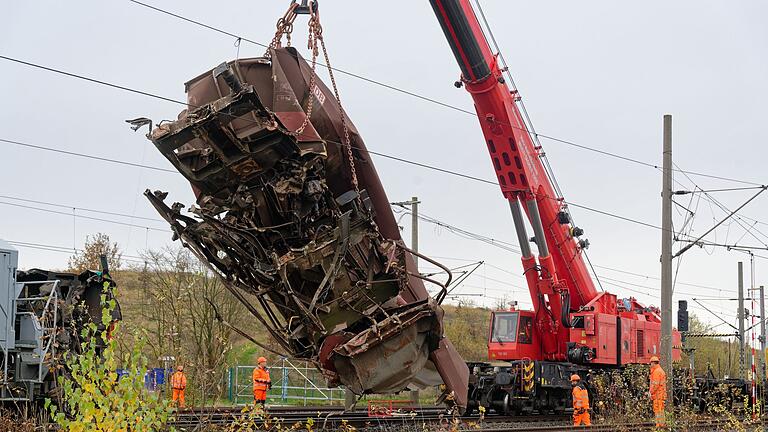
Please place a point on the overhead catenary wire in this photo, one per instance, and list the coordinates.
(423, 165)
(576, 205)
(429, 99)
(506, 246)
(729, 213)
(399, 159)
(686, 192)
(79, 216)
(172, 171)
(334, 68)
(375, 153)
(83, 155)
(69, 250)
(81, 208)
(712, 200)
(468, 234)
(471, 235)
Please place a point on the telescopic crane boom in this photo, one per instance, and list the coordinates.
(558, 279)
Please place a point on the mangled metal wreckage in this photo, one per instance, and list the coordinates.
(290, 212)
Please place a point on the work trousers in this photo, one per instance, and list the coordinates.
(178, 397)
(260, 397)
(581, 419)
(658, 412)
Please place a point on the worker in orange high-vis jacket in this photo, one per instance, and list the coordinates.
(261, 382)
(179, 384)
(658, 391)
(580, 402)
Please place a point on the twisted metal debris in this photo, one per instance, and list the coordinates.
(299, 228)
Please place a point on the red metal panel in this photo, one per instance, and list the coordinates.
(676, 345)
(626, 343)
(652, 339)
(606, 342)
(589, 324)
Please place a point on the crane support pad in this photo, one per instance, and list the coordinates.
(297, 222)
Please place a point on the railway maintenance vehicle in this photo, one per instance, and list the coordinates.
(573, 327)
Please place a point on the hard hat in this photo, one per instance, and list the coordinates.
(575, 377)
(654, 359)
(261, 359)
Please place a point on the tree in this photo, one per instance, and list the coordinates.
(180, 316)
(721, 356)
(96, 398)
(90, 257)
(467, 327)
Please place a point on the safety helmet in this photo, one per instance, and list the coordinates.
(261, 359)
(575, 377)
(654, 359)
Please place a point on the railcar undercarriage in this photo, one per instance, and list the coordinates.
(291, 215)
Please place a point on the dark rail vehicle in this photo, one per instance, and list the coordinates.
(42, 315)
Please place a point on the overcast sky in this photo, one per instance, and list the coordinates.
(600, 74)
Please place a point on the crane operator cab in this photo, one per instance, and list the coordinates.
(513, 336)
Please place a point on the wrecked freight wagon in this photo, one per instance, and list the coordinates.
(291, 214)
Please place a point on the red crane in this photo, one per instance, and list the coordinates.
(571, 320)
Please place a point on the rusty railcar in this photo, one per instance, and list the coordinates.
(292, 216)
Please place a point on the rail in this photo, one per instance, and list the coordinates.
(390, 407)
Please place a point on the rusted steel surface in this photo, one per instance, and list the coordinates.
(288, 220)
(79, 302)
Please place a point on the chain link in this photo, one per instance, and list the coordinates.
(285, 27)
(347, 140)
(315, 33)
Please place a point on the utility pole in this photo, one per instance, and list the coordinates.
(762, 332)
(740, 317)
(415, 229)
(415, 247)
(666, 256)
(414, 203)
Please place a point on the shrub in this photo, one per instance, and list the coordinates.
(94, 398)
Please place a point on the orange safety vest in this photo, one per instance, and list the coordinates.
(178, 381)
(580, 398)
(658, 385)
(261, 379)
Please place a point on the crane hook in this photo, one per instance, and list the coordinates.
(306, 7)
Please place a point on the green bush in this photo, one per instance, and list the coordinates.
(94, 397)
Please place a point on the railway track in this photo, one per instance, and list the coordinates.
(432, 418)
(331, 418)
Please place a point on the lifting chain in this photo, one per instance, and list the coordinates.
(347, 141)
(285, 27)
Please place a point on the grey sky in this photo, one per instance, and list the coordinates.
(600, 74)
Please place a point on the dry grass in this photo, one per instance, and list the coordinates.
(18, 421)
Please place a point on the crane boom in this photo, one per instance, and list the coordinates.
(560, 280)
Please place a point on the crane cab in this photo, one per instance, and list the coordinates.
(513, 336)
